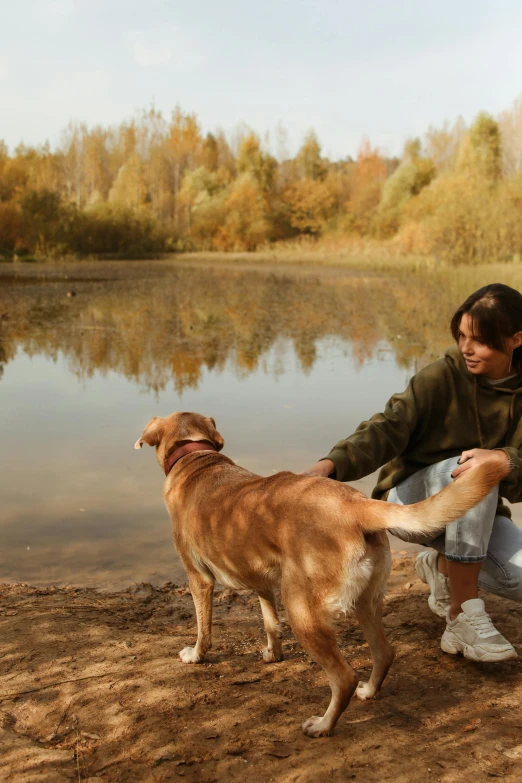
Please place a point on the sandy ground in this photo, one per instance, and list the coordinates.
(91, 689)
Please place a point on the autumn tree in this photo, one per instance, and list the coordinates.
(130, 189)
(210, 153)
(181, 150)
(480, 151)
(442, 144)
(71, 152)
(369, 176)
(308, 161)
(414, 173)
(11, 227)
(309, 204)
(510, 126)
(97, 175)
(252, 160)
(247, 223)
(14, 172)
(197, 190)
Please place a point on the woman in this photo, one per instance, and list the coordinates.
(460, 411)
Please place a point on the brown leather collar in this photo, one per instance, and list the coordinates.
(187, 448)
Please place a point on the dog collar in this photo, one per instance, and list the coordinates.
(188, 448)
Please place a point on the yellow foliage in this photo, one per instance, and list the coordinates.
(309, 204)
(246, 225)
(369, 177)
(130, 189)
(253, 161)
(479, 153)
(156, 182)
(208, 219)
(464, 220)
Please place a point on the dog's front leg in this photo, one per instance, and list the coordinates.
(201, 591)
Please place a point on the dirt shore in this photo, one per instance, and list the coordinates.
(91, 689)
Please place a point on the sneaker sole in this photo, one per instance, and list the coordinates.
(441, 612)
(421, 573)
(454, 648)
(419, 568)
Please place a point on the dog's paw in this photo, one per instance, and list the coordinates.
(272, 656)
(189, 655)
(316, 726)
(365, 691)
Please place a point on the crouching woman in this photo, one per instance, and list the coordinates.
(463, 410)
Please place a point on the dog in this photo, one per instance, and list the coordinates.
(321, 542)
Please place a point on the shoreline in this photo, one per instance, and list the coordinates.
(92, 689)
(172, 574)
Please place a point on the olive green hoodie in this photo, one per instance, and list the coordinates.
(444, 411)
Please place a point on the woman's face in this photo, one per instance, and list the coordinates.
(480, 358)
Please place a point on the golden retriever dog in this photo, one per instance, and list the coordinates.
(323, 544)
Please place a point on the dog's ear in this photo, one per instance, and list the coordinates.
(152, 434)
(216, 438)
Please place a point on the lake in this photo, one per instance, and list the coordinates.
(286, 360)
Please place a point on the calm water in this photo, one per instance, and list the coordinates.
(287, 362)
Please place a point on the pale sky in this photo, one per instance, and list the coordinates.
(348, 68)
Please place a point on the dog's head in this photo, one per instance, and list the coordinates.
(175, 430)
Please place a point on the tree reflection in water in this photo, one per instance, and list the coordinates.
(159, 322)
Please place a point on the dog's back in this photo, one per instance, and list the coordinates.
(242, 528)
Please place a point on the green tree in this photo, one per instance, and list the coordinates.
(413, 174)
(197, 189)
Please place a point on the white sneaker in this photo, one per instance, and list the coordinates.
(426, 568)
(473, 634)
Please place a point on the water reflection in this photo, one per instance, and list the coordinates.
(160, 324)
(286, 362)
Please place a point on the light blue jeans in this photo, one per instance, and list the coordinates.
(479, 536)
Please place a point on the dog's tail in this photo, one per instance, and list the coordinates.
(431, 515)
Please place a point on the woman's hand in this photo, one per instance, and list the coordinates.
(475, 457)
(323, 468)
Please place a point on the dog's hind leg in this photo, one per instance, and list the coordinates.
(313, 632)
(369, 616)
(274, 649)
(368, 611)
(201, 590)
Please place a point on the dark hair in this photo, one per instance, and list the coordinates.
(496, 314)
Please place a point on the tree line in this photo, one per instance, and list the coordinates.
(159, 184)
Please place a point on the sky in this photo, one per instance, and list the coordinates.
(384, 69)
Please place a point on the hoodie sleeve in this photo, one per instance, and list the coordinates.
(375, 442)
